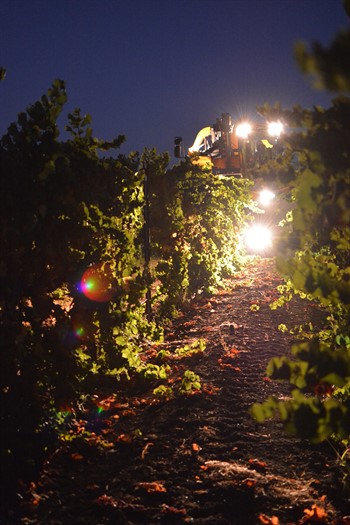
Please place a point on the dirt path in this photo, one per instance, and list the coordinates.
(200, 459)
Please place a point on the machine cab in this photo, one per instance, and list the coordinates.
(215, 146)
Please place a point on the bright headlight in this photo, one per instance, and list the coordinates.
(258, 238)
(265, 197)
(274, 129)
(243, 130)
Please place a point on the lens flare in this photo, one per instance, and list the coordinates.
(96, 283)
(80, 332)
(258, 238)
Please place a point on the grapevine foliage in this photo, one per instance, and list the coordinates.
(73, 269)
(315, 257)
(65, 210)
(200, 239)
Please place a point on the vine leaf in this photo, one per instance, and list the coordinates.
(151, 486)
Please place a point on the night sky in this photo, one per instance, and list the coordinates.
(154, 69)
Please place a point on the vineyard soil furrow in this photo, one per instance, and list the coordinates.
(201, 458)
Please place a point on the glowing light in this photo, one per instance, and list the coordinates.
(79, 332)
(258, 238)
(243, 130)
(96, 283)
(274, 129)
(266, 197)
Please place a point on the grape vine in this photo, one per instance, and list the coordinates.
(73, 269)
(315, 257)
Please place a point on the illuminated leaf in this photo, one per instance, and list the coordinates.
(249, 482)
(124, 438)
(145, 449)
(106, 500)
(151, 487)
(76, 456)
(254, 307)
(316, 512)
(257, 464)
(266, 520)
(173, 510)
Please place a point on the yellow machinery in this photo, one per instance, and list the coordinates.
(226, 147)
(215, 146)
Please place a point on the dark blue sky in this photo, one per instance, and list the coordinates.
(153, 69)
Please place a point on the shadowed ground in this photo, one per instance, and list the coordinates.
(201, 458)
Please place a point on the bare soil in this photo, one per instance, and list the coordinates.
(199, 458)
